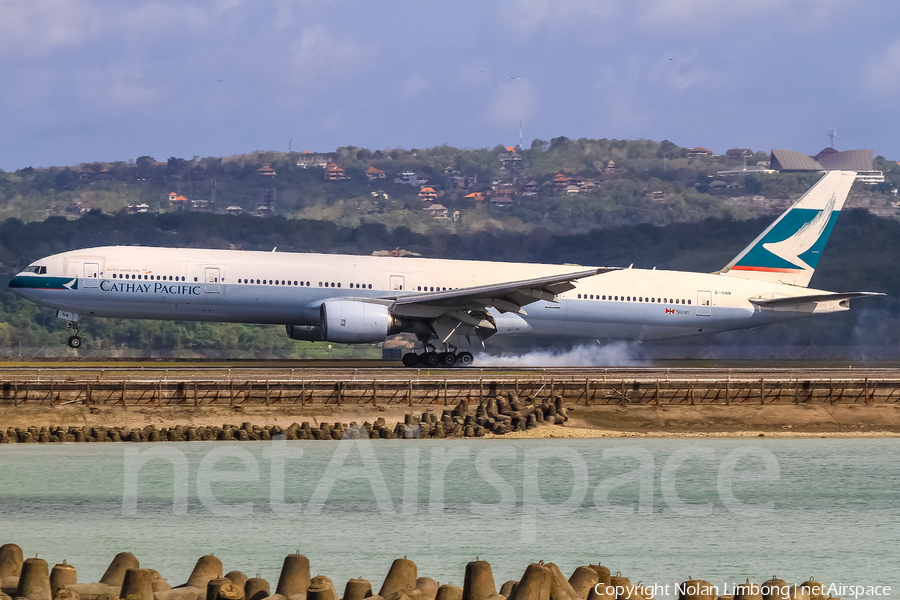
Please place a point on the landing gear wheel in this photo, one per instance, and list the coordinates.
(465, 359)
(447, 359)
(74, 342)
(410, 359)
(429, 359)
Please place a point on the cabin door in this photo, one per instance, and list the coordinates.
(91, 275)
(397, 282)
(212, 280)
(704, 303)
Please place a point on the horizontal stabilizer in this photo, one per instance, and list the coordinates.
(810, 298)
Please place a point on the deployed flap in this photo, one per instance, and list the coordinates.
(505, 297)
(826, 297)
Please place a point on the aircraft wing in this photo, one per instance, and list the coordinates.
(464, 311)
(810, 298)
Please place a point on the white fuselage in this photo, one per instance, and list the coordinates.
(287, 288)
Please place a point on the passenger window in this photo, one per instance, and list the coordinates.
(320, 284)
(579, 296)
(689, 301)
(370, 286)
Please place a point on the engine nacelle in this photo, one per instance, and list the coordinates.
(352, 322)
(305, 333)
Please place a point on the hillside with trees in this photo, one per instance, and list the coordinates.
(561, 186)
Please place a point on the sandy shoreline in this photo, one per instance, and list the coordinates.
(774, 421)
(571, 432)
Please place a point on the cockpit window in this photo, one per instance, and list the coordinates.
(36, 269)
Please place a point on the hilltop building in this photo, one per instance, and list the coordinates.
(829, 159)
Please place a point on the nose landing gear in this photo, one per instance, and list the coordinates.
(74, 341)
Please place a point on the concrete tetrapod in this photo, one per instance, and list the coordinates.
(427, 586)
(34, 582)
(697, 589)
(560, 589)
(775, 589)
(603, 573)
(295, 576)
(582, 580)
(401, 577)
(221, 588)
(356, 589)
(798, 592)
(617, 581)
(507, 588)
(237, 578)
(207, 568)
(535, 583)
(479, 581)
(747, 591)
(61, 576)
(115, 572)
(137, 584)
(321, 588)
(159, 584)
(10, 561)
(816, 589)
(449, 592)
(602, 591)
(256, 588)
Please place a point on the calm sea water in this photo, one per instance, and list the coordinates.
(656, 510)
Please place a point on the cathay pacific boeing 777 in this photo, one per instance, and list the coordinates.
(448, 304)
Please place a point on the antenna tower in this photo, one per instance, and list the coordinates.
(831, 134)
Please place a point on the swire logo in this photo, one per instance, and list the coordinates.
(670, 311)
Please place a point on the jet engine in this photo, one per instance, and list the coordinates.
(353, 322)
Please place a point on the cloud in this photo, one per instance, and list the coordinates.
(528, 16)
(511, 101)
(33, 29)
(881, 74)
(708, 17)
(681, 71)
(414, 85)
(37, 29)
(317, 54)
(119, 88)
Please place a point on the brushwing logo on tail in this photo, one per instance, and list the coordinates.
(806, 237)
(71, 285)
(794, 244)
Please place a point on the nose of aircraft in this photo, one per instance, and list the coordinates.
(17, 282)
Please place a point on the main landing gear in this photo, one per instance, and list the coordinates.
(444, 359)
(74, 341)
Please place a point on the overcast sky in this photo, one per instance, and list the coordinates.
(104, 80)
